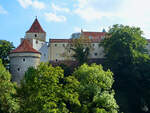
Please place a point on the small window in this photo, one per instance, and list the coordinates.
(56, 60)
(35, 35)
(44, 54)
(95, 54)
(93, 45)
(24, 59)
(55, 45)
(18, 69)
(63, 45)
(36, 41)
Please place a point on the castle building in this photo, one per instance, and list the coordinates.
(22, 58)
(37, 37)
(58, 51)
(34, 49)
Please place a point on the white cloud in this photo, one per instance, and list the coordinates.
(33, 3)
(55, 18)
(77, 29)
(90, 10)
(128, 12)
(60, 9)
(2, 10)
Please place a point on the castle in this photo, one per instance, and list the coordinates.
(34, 49)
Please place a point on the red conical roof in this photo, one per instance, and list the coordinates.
(25, 47)
(36, 27)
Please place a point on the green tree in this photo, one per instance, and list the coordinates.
(8, 101)
(126, 55)
(81, 49)
(95, 90)
(46, 90)
(5, 48)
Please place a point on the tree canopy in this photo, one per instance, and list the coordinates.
(8, 101)
(95, 89)
(126, 55)
(81, 49)
(87, 90)
(46, 90)
(5, 48)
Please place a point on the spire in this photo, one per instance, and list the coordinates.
(24, 47)
(36, 27)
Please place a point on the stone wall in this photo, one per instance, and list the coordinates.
(20, 62)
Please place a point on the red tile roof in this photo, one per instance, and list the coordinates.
(25, 47)
(36, 27)
(95, 35)
(60, 40)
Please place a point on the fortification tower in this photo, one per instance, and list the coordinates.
(36, 31)
(22, 58)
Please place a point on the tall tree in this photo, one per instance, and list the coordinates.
(126, 55)
(81, 49)
(8, 102)
(46, 90)
(5, 48)
(95, 90)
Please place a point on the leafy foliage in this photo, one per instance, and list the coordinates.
(126, 55)
(8, 101)
(46, 90)
(81, 49)
(5, 48)
(96, 95)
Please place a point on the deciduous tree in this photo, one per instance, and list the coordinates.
(5, 48)
(126, 55)
(95, 89)
(8, 101)
(46, 90)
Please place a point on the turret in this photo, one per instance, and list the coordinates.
(36, 31)
(21, 59)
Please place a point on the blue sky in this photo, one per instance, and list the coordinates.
(61, 18)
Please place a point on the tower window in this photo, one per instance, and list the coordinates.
(55, 45)
(24, 59)
(56, 60)
(35, 35)
(36, 41)
(18, 69)
(95, 54)
(63, 45)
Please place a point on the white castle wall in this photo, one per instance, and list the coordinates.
(20, 62)
(44, 52)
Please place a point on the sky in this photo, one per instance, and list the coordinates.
(61, 18)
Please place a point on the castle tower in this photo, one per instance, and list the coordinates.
(21, 59)
(37, 37)
(36, 31)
